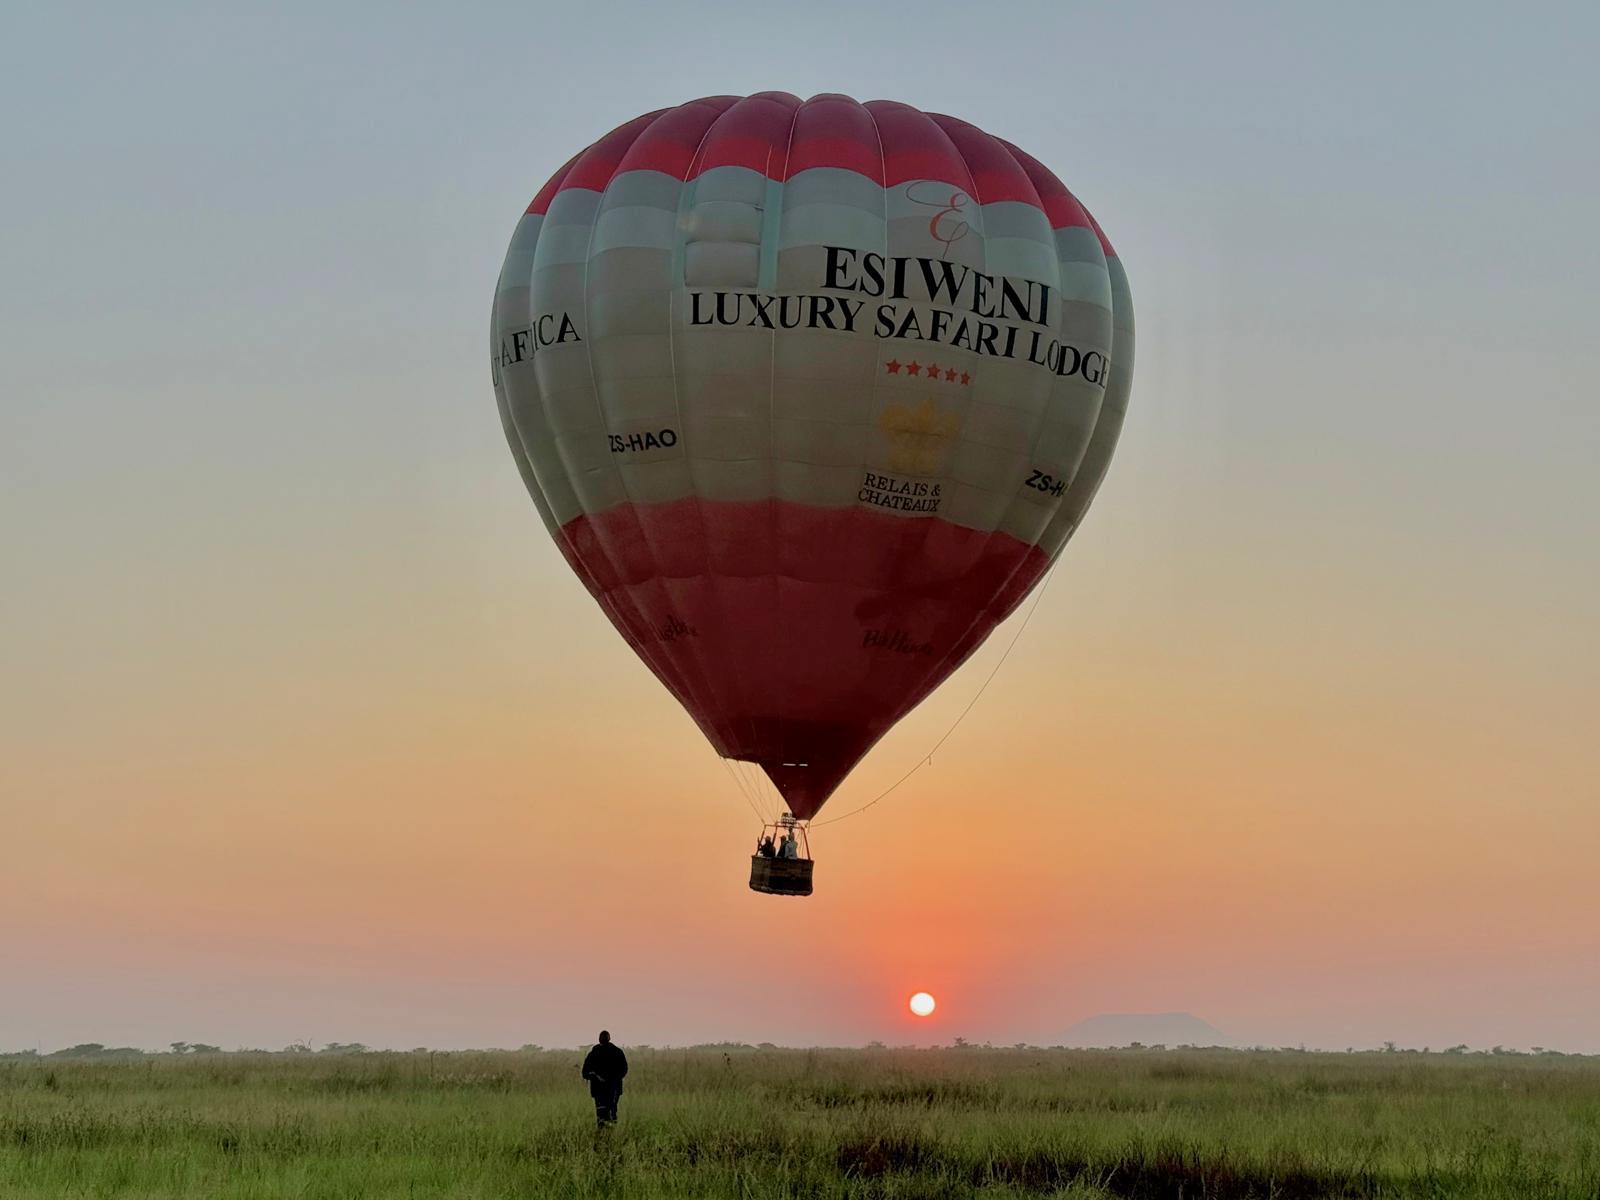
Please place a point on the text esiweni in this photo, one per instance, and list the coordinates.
(993, 297)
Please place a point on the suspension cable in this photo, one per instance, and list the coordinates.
(927, 759)
(744, 789)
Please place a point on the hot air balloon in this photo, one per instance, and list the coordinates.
(810, 394)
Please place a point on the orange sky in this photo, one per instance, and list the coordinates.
(306, 731)
(305, 811)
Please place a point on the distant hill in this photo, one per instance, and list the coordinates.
(1150, 1029)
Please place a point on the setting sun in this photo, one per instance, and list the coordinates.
(922, 1004)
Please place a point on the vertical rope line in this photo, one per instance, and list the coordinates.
(742, 790)
(691, 176)
(772, 445)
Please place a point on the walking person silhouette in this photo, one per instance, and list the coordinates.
(604, 1068)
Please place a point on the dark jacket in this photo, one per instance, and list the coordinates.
(604, 1068)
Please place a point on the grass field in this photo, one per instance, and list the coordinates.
(793, 1123)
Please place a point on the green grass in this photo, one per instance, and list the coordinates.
(790, 1123)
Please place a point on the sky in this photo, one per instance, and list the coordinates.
(307, 733)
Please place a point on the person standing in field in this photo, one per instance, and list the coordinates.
(604, 1068)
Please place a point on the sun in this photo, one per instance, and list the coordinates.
(923, 1004)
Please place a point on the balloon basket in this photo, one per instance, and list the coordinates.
(781, 865)
(780, 876)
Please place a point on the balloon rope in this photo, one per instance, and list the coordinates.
(761, 788)
(744, 790)
(753, 774)
(764, 792)
(927, 758)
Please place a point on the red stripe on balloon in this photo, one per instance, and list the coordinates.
(754, 133)
(540, 204)
(1060, 205)
(670, 142)
(835, 131)
(1105, 242)
(798, 634)
(597, 165)
(774, 133)
(996, 174)
(915, 148)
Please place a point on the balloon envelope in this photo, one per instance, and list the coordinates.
(809, 394)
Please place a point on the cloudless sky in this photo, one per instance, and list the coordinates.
(306, 731)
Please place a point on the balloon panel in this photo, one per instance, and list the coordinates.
(809, 394)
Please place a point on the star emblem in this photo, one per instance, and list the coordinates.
(913, 368)
(965, 378)
(933, 370)
(950, 376)
(892, 366)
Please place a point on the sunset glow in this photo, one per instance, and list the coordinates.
(923, 1004)
(311, 733)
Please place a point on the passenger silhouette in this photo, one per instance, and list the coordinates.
(604, 1068)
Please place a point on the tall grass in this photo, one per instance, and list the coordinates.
(789, 1123)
